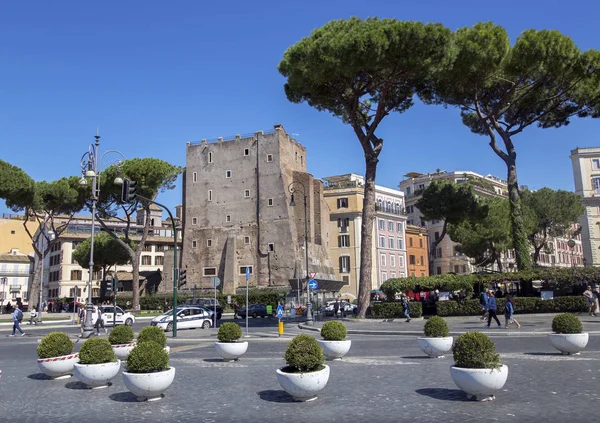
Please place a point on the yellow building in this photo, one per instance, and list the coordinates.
(13, 234)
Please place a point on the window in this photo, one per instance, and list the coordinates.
(147, 247)
(437, 235)
(410, 242)
(392, 261)
(270, 202)
(407, 190)
(390, 226)
(76, 275)
(384, 276)
(228, 218)
(422, 274)
(342, 203)
(439, 252)
(393, 275)
(246, 151)
(595, 164)
(243, 270)
(400, 261)
(209, 242)
(146, 260)
(420, 242)
(411, 259)
(381, 224)
(194, 244)
(210, 195)
(12, 232)
(439, 271)
(400, 227)
(269, 157)
(383, 260)
(346, 280)
(228, 173)
(247, 240)
(159, 260)
(210, 157)
(344, 223)
(195, 177)
(456, 268)
(159, 248)
(401, 243)
(345, 264)
(247, 193)
(271, 247)
(382, 241)
(344, 241)
(194, 220)
(421, 261)
(391, 243)
(209, 271)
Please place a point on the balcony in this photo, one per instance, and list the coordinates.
(344, 184)
(14, 288)
(390, 210)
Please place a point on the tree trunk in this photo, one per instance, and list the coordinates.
(34, 286)
(368, 215)
(523, 255)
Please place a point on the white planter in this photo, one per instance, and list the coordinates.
(58, 367)
(123, 350)
(335, 350)
(482, 383)
(436, 347)
(229, 351)
(96, 375)
(569, 343)
(149, 386)
(303, 386)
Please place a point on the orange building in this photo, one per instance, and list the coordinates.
(416, 251)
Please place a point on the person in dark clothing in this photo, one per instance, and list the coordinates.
(165, 307)
(236, 309)
(492, 307)
(336, 307)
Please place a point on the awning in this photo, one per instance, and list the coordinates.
(325, 285)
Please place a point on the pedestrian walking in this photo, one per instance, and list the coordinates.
(509, 310)
(236, 309)
(17, 318)
(597, 299)
(165, 307)
(406, 308)
(32, 316)
(589, 296)
(483, 300)
(491, 308)
(82, 313)
(99, 321)
(336, 307)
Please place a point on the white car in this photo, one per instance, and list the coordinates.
(187, 318)
(121, 317)
(329, 309)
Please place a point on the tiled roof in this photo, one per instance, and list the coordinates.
(13, 258)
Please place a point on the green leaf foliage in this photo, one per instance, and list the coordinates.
(523, 305)
(154, 334)
(304, 354)
(566, 323)
(16, 187)
(333, 331)
(96, 351)
(147, 357)
(121, 334)
(474, 350)
(391, 310)
(55, 344)
(436, 327)
(107, 252)
(229, 332)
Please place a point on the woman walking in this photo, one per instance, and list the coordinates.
(509, 310)
(589, 295)
(492, 310)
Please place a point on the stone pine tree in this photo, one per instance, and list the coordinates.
(360, 71)
(543, 79)
(551, 213)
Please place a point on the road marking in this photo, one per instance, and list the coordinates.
(548, 357)
(374, 361)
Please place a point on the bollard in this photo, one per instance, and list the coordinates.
(280, 328)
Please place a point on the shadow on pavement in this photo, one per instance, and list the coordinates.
(76, 385)
(276, 396)
(557, 353)
(123, 397)
(39, 376)
(213, 360)
(416, 357)
(444, 394)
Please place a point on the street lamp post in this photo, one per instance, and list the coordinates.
(292, 190)
(50, 235)
(89, 169)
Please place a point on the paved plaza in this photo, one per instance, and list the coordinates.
(384, 378)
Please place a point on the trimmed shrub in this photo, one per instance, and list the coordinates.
(333, 331)
(147, 357)
(55, 344)
(121, 334)
(395, 309)
(229, 332)
(474, 350)
(523, 305)
(304, 354)
(154, 334)
(436, 327)
(566, 323)
(96, 351)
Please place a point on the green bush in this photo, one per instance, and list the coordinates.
(147, 357)
(436, 327)
(229, 332)
(395, 309)
(474, 350)
(333, 331)
(55, 344)
(566, 323)
(154, 334)
(523, 305)
(304, 354)
(96, 351)
(121, 334)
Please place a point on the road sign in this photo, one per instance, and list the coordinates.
(312, 274)
(215, 281)
(312, 284)
(279, 311)
(247, 272)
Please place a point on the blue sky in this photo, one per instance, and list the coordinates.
(153, 75)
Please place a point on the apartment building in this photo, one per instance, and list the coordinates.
(16, 271)
(13, 233)
(417, 251)
(344, 195)
(238, 213)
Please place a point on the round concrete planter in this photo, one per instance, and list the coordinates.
(149, 386)
(230, 351)
(96, 375)
(479, 383)
(303, 386)
(436, 347)
(123, 350)
(58, 367)
(569, 343)
(335, 350)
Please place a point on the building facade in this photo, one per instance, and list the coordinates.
(238, 213)
(16, 270)
(13, 233)
(417, 251)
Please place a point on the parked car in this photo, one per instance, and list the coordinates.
(121, 317)
(329, 309)
(187, 318)
(256, 310)
(207, 303)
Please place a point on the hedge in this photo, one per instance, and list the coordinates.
(523, 305)
(395, 309)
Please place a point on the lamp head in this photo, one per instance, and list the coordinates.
(83, 182)
(292, 202)
(90, 173)
(118, 181)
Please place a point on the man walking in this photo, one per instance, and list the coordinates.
(17, 319)
(491, 308)
(406, 308)
(483, 300)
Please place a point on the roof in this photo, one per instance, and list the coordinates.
(15, 258)
(325, 285)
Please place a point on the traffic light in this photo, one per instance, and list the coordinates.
(129, 191)
(182, 277)
(115, 281)
(108, 285)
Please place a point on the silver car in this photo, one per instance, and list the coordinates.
(187, 318)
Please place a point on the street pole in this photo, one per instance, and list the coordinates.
(40, 297)
(247, 278)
